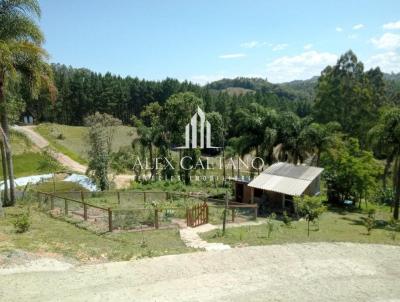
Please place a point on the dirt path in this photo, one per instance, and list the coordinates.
(121, 181)
(42, 143)
(293, 272)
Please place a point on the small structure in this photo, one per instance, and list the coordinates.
(27, 118)
(275, 187)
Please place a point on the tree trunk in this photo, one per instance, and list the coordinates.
(389, 160)
(4, 125)
(4, 166)
(397, 189)
(318, 157)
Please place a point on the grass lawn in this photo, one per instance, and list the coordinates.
(74, 142)
(26, 158)
(49, 235)
(334, 226)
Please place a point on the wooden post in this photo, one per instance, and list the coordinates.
(85, 216)
(156, 218)
(225, 210)
(52, 202)
(207, 213)
(233, 214)
(39, 200)
(119, 198)
(144, 198)
(255, 212)
(65, 207)
(110, 222)
(82, 197)
(187, 217)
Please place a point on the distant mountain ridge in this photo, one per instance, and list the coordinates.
(296, 90)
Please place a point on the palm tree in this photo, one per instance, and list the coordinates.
(21, 54)
(317, 138)
(291, 148)
(387, 134)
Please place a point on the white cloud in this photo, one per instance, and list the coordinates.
(308, 46)
(387, 41)
(232, 56)
(252, 44)
(388, 61)
(278, 47)
(299, 67)
(339, 29)
(391, 25)
(358, 26)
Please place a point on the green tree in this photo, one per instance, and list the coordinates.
(100, 134)
(350, 172)
(387, 134)
(309, 207)
(21, 54)
(348, 95)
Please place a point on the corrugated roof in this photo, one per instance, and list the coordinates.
(294, 171)
(286, 178)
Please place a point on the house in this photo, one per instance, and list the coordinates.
(275, 187)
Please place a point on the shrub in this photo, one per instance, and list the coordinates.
(271, 224)
(393, 227)
(369, 221)
(22, 223)
(287, 220)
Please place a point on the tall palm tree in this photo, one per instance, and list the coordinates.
(291, 147)
(316, 138)
(21, 53)
(387, 133)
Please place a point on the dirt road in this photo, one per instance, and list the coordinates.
(295, 272)
(121, 181)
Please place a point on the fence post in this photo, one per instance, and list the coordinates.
(144, 198)
(66, 207)
(119, 198)
(110, 222)
(39, 200)
(233, 214)
(82, 197)
(85, 216)
(255, 212)
(52, 202)
(156, 218)
(207, 213)
(187, 216)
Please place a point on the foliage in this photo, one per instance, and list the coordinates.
(22, 223)
(287, 220)
(369, 221)
(271, 224)
(394, 228)
(102, 128)
(309, 207)
(350, 173)
(348, 95)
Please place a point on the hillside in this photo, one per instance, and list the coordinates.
(298, 90)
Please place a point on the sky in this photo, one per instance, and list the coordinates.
(206, 40)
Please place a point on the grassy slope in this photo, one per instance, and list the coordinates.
(51, 235)
(334, 227)
(25, 157)
(75, 144)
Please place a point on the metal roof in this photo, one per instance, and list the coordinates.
(286, 178)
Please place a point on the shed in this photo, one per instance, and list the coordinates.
(275, 187)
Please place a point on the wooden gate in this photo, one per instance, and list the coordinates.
(197, 215)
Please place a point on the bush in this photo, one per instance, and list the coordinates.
(369, 221)
(22, 223)
(286, 219)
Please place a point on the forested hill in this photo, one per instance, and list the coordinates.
(82, 92)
